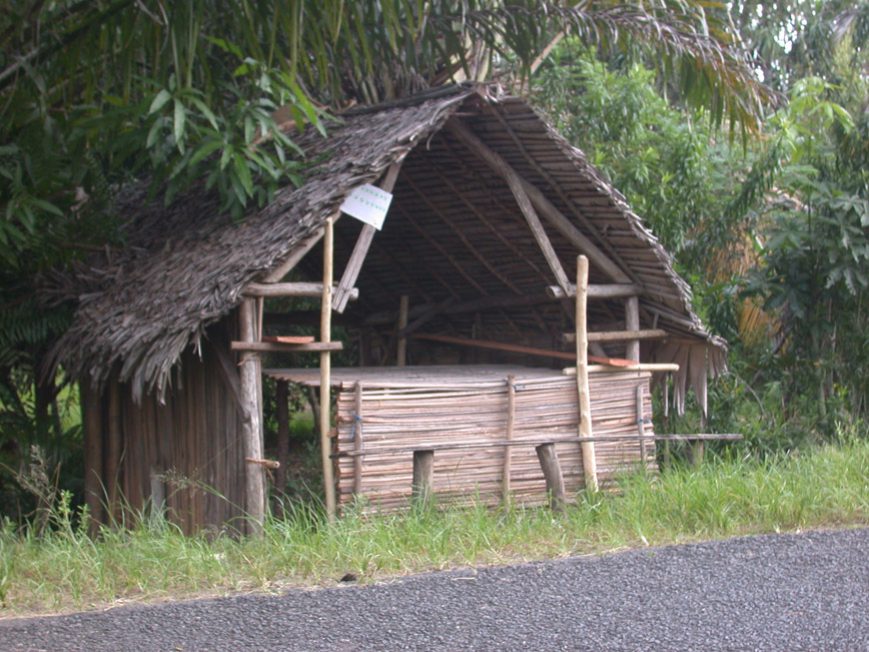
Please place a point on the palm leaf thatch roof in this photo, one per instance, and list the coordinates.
(185, 266)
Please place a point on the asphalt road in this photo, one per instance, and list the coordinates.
(780, 592)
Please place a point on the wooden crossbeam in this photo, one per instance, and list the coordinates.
(281, 347)
(312, 290)
(598, 291)
(354, 265)
(619, 336)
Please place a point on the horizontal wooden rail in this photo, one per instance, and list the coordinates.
(506, 443)
(606, 291)
(619, 336)
(643, 366)
(280, 347)
(312, 290)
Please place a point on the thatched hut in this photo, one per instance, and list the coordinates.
(464, 319)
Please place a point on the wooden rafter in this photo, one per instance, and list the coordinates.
(464, 240)
(517, 187)
(556, 188)
(546, 207)
(357, 258)
(446, 254)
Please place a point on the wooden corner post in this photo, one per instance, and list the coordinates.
(326, 370)
(252, 443)
(589, 463)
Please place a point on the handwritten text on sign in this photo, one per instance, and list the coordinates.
(368, 204)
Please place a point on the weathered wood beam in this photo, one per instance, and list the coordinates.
(620, 336)
(589, 461)
(598, 291)
(313, 290)
(539, 200)
(358, 446)
(92, 425)
(357, 258)
(282, 347)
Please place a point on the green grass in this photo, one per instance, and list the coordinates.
(66, 570)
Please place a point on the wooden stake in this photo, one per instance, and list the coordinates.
(589, 463)
(511, 420)
(403, 307)
(326, 369)
(252, 446)
(423, 477)
(552, 473)
(282, 399)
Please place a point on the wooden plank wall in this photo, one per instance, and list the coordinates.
(191, 445)
(468, 414)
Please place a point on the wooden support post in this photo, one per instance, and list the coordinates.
(252, 444)
(403, 308)
(282, 399)
(641, 426)
(423, 478)
(92, 424)
(360, 250)
(511, 420)
(326, 370)
(632, 323)
(552, 473)
(357, 442)
(589, 462)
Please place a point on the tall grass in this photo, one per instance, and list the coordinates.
(65, 569)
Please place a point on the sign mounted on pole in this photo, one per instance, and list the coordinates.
(368, 204)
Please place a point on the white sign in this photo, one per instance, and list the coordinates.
(368, 204)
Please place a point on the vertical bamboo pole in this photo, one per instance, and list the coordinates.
(641, 426)
(632, 323)
(508, 450)
(282, 399)
(326, 369)
(403, 307)
(589, 463)
(357, 442)
(252, 440)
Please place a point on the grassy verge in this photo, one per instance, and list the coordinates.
(66, 570)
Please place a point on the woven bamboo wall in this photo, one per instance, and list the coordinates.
(190, 443)
(471, 417)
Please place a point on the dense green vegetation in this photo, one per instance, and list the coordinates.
(760, 191)
(66, 569)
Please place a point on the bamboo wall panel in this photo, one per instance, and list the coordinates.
(191, 443)
(465, 422)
